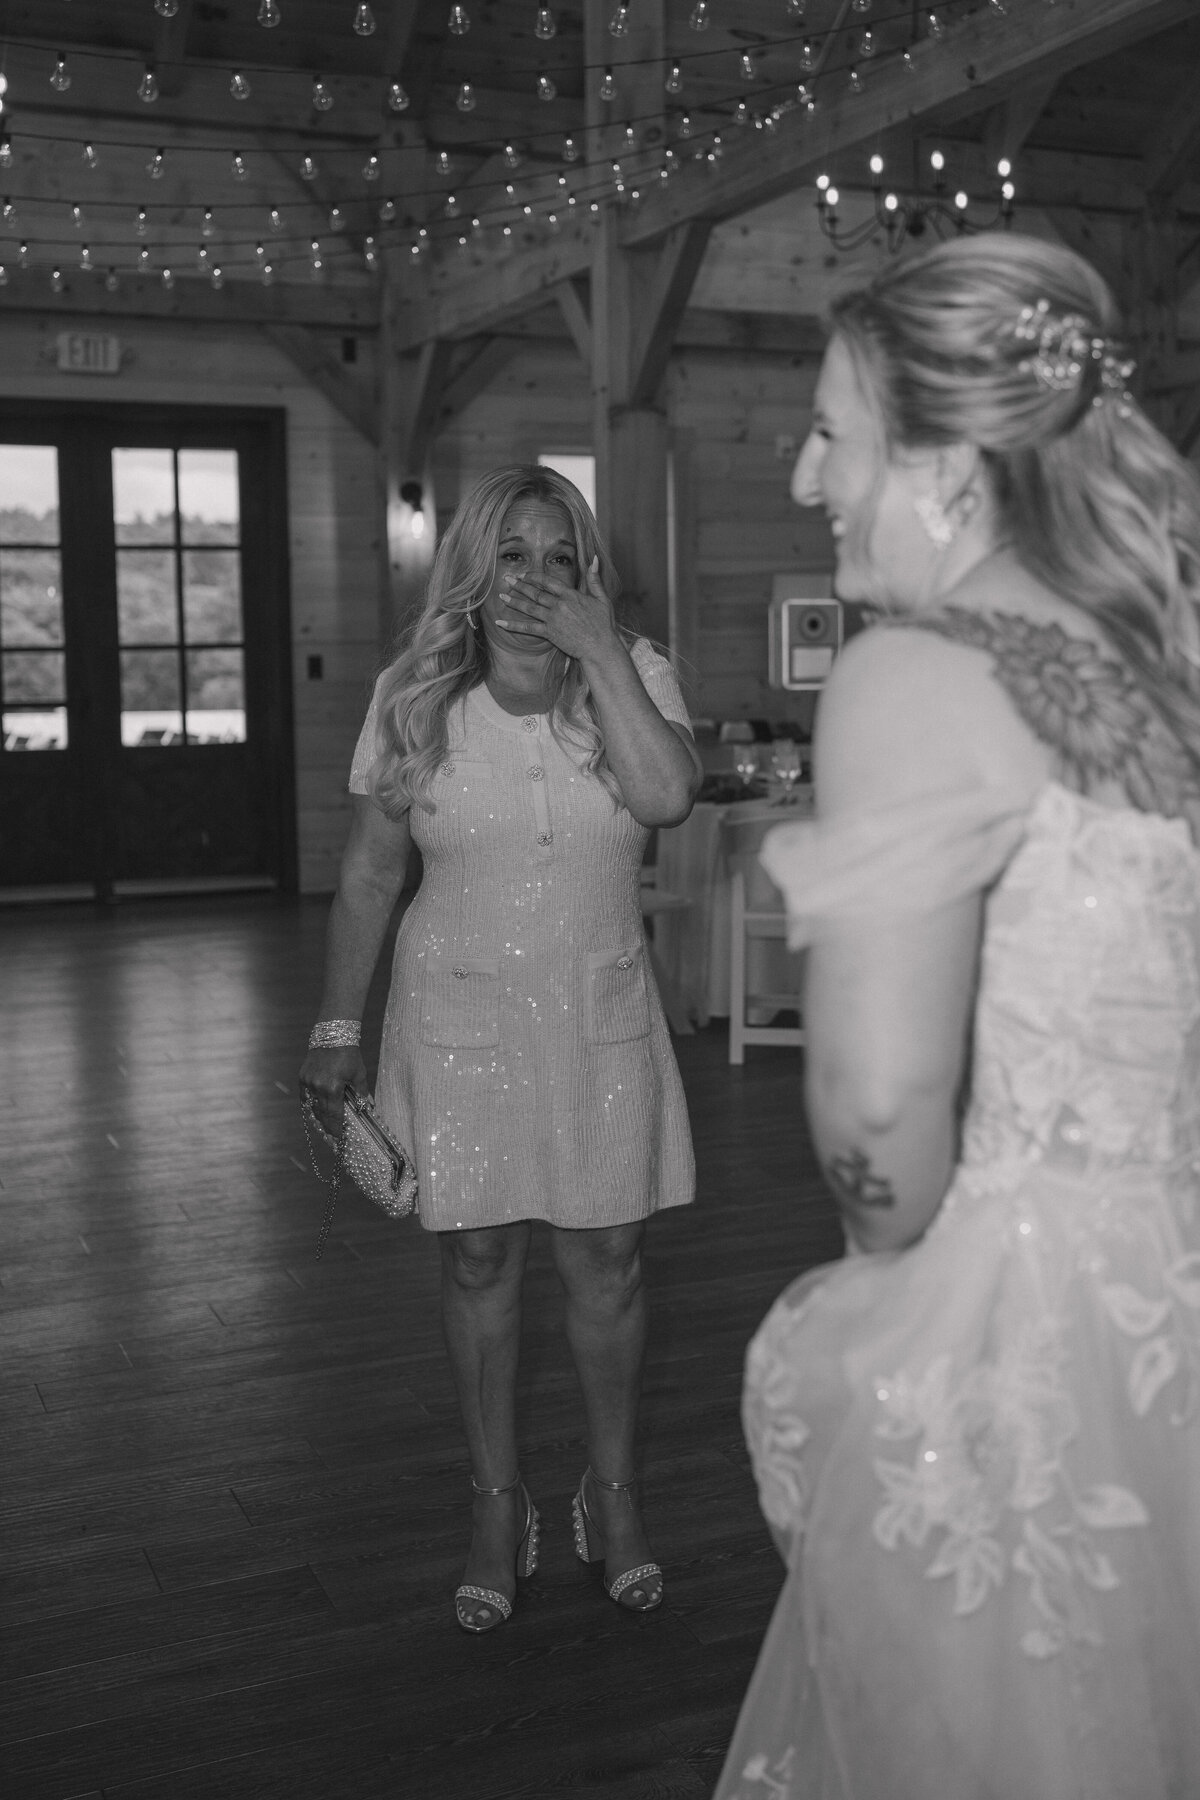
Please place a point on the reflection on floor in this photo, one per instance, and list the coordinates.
(234, 1504)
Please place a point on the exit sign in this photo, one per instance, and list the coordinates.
(89, 353)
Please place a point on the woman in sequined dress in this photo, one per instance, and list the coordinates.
(977, 1438)
(526, 744)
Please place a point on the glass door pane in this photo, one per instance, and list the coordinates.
(179, 601)
(32, 634)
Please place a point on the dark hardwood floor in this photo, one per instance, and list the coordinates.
(233, 1497)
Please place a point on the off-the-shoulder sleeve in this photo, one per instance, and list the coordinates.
(659, 681)
(366, 750)
(916, 856)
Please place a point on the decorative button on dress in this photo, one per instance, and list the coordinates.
(525, 1058)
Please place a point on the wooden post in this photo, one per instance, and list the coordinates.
(410, 398)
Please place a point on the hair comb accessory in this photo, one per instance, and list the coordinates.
(1063, 346)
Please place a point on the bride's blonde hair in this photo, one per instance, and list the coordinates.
(1095, 500)
(444, 653)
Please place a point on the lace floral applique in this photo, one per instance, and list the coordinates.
(1080, 700)
(989, 1445)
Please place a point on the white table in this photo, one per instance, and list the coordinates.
(697, 860)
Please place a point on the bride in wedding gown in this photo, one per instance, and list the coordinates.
(977, 1438)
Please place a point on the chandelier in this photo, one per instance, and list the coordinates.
(913, 214)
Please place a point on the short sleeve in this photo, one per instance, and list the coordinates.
(919, 855)
(367, 749)
(660, 682)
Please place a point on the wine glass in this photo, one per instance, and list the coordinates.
(745, 761)
(785, 762)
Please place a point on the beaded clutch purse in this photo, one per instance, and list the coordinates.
(377, 1165)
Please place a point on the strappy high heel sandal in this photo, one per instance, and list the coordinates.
(495, 1607)
(645, 1580)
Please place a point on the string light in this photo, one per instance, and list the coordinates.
(269, 14)
(546, 89)
(370, 169)
(237, 166)
(459, 23)
(322, 99)
(698, 17)
(112, 281)
(239, 87)
(202, 259)
(308, 169)
(56, 280)
(148, 85)
(140, 222)
(217, 277)
(260, 252)
(369, 254)
(608, 87)
(207, 226)
(544, 26)
(156, 167)
(387, 212)
(398, 100)
(8, 212)
(268, 274)
(166, 9)
(6, 150)
(862, 6)
(570, 151)
(466, 98)
(3, 276)
(23, 255)
(685, 126)
(168, 280)
(443, 162)
(90, 158)
(512, 159)
(808, 56)
(77, 217)
(337, 220)
(796, 9)
(364, 21)
(747, 67)
(144, 260)
(937, 30)
(854, 81)
(275, 219)
(60, 75)
(618, 25)
(452, 207)
(866, 44)
(674, 82)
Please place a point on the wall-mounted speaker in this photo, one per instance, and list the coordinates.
(806, 633)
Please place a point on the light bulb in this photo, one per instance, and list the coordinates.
(1004, 168)
(268, 274)
(831, 197)
(112, 281)
(202, 262)
(60, 76)
(862, 6)
(685, 126)
(370, 169)
(466, 98)
(877, 164)
(823, 183)
(144, 260)
(140, 222)
(3, 276)
(397, 98)
(56, 280)
(674, 82)
(322, 99)
(23, 255)
(570, 150)
(237, 166)
(8, 212)
(910, 67)
(631, 140)
(698, 17)
(937, 161)
(148, 85)
(808, 56)
(512, 158)
(6, 150)
(936, 29)
(452, 207)
(854, 82)
(443, 162)
(460, 22)
(77, 217)
(260, 252)
(369, 254)
(387, 212)
(608, 87)
(89, 156)
(276, 219)
(156, 166)
(336, 220)
(207, 227)
(545, 27)
(217, 278)
(747, 67)
(239, 87)
(166, 9)
(962, 200)
(998, 7)
(308, 169)
(364, 21)
(168, 280)
(618, 25)
(891, 203)
(269, 14)
(866, 44)
(796, 9)
(546, 88)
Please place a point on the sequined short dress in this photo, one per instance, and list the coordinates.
(525, 1058)
(983, 1452)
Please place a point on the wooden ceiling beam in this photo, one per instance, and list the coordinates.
(306, 352)
(1007, 127)
(1172, 153)
(86, 301)
(577, 318)
(979, 56)
(662, 307)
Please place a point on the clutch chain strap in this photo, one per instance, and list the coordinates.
(335, 1180)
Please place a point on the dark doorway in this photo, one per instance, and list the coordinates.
(145, 678)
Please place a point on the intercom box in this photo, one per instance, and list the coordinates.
(807, 628)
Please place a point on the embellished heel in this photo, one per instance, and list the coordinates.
(493, 1608)
(645, 1580)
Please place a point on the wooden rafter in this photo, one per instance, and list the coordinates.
(664, 301)
(329, 377)
(1172, 152)
(574, 311)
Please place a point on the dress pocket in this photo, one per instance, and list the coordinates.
(460, 1002)
(618, 1008)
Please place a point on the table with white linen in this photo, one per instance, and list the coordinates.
(697, 860)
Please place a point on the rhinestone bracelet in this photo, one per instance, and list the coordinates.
(335, 1034)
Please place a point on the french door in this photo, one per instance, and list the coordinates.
(144, 650)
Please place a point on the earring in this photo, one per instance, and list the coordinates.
(936, 523)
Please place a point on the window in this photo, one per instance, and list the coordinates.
(579, 469)
(32, 638)
(179, 599)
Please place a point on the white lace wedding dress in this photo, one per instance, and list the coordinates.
(984, 1451)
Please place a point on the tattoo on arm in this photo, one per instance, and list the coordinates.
(854, 1185)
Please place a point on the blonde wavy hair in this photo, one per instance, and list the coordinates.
(444, 654)
(1094, 499)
